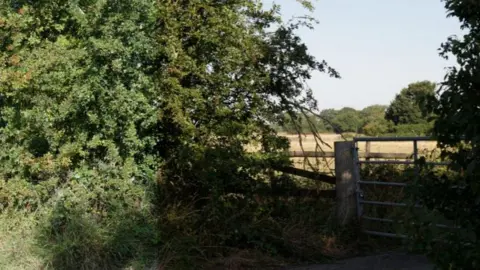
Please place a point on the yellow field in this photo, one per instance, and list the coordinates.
(327, 165)
(309, 144)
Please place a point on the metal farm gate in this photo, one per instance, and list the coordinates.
(363, 200)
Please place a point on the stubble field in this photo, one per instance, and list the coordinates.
(327, 164)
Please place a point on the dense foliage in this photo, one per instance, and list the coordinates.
(454, 197)
(408, 114)
(341, 121)
(117, 115)
(410, 105)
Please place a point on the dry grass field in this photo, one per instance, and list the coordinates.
(327, 164)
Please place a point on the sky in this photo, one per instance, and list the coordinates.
(377, 46)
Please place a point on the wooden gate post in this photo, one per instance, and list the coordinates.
(346, 198)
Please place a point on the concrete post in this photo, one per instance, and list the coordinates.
(346, 183)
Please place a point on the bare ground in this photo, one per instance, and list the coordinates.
(388, 261)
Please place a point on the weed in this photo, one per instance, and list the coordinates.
(17, 241)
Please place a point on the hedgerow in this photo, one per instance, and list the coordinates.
(125, 124)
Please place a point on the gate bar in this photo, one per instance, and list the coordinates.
(386, 162)
(393, 221)
(388, 203)
(383, 203)
(378, 219)
(392, 139)
(397, 184)
(400, 162)
(385, 234)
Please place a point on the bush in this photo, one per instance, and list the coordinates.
(448, 200)
(124, 126)
(453, 198)
(98, 221)
(412, 129)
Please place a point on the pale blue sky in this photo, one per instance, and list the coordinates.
(378, 46)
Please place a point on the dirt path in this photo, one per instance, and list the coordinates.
(390, 261)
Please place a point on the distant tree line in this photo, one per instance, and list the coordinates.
(409, 113)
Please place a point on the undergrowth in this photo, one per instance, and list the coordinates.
(17, 242)
(92, 224)
(79, 230)
(141, 223)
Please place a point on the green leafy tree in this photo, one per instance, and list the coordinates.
(116, 81)
(456, 195)
(347, 120)
(328, 115)
(376, 128)
(410, 106)
(339, 121)
(422, 129)
(374, 123)
(373, 113)
(116, 96)
(304, 123)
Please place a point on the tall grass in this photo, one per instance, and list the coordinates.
(17, 242)
(271, 231)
